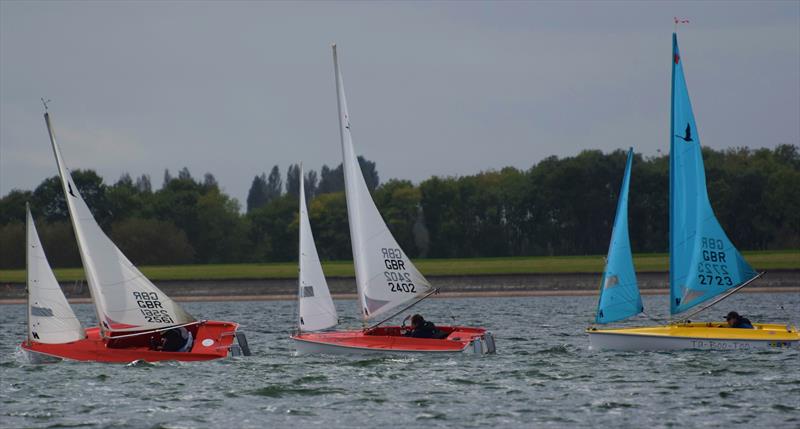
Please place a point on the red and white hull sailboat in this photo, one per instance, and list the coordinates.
(137, 321)
(385, 276)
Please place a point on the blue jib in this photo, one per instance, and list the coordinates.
(619, 294)
(703, 261)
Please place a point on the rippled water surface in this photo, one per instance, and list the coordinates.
(543, 375)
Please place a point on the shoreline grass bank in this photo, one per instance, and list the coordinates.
(760, 260)
(458, 294)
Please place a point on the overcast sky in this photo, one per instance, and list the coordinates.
(447, 88)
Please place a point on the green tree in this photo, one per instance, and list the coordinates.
(328, 218)
(399, 203)
(152, 242)
(274, 184)
(12, 245)
(48, 197)
(12, 206)
(257, 195)
(273, 230)
(293, 180)
(221, 235)
(310, 184)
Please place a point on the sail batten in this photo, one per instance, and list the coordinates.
(125, 300)
(704, 263)
(385, 276)
(316, 310)
(619, 292)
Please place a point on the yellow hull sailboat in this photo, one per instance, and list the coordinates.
(705, 266)
(687, 335)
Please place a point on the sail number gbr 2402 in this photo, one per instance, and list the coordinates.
(713, 270)
(397, 278)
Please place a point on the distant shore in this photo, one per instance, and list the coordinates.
(533, 265)
(462, 294)
(451, 286)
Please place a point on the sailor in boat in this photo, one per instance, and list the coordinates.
(176, 340)
(421, 328)
(737, 321)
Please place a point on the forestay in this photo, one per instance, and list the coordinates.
(316, 309)
(385, 276)
(703, 261)
(50, 318)
(124, 298)
(619, 293)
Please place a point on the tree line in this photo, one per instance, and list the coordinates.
(559, 206)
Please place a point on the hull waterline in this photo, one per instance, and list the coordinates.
(389, 340)
(697, 336)
(212, 340)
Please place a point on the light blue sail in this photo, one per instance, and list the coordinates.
(619, 293)
(703, 261)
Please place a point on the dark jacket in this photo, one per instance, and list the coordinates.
(743, 323)
(173, 340)
(427, 330)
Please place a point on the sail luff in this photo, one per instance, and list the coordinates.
(619, 294)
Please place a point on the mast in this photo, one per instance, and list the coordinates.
(300, 250)
(672, 167)
(350, 197)
(28, 220)
(88, 265)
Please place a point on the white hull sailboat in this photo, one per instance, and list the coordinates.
(705, 266)
(385, 276)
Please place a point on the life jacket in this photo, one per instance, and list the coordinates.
(743, 323)
(427, 330)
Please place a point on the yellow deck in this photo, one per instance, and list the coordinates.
(711, 331)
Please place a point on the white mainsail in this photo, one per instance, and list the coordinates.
(50, 318)
(124, 298)
(385, 276)
(316, 309)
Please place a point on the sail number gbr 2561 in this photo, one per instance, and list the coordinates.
(714, 268)
(151, 307)
(397, 278)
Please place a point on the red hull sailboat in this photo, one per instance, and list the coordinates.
(385, 276)
(213, 340)
(137, 321)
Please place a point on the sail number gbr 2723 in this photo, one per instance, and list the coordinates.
(151, 307)
(397, 278)
(713, 270)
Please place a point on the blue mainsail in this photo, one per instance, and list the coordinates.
(619, 293)
(703, 261)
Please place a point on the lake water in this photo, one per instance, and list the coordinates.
(542, 376)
